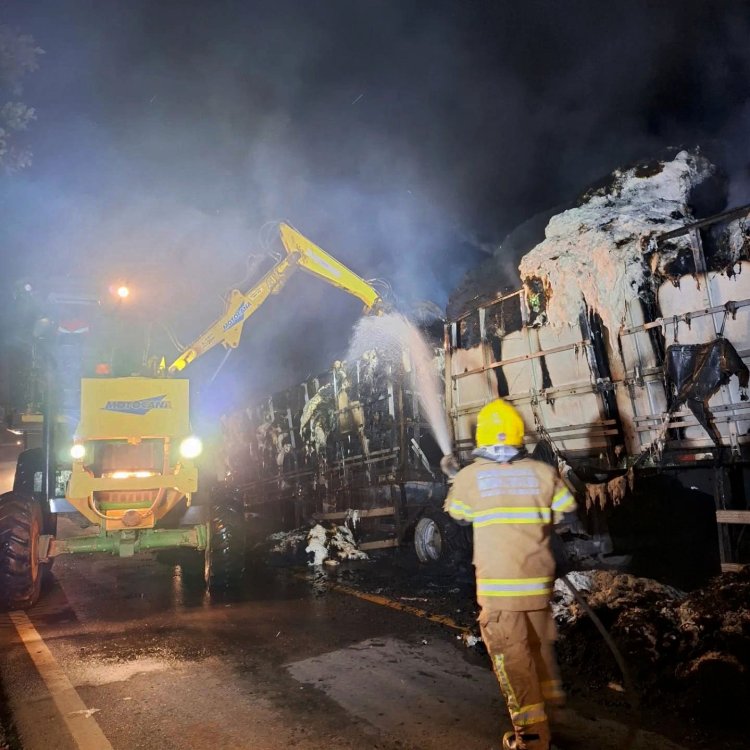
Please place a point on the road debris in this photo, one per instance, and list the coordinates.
(329, 545)
(87, 713)
(470, 640)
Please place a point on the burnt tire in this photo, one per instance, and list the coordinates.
(226, 550)
(438, 539)
(21, 573)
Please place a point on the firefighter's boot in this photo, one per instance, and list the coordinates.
(535, 737)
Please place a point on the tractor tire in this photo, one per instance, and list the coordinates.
(21, 572)
(438, 539)
(227, 546)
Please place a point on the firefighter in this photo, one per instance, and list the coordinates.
(512, 502)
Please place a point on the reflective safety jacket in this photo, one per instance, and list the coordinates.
(512, 507)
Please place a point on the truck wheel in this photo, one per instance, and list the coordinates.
(20, 570)
(437, 539)
(225, 553)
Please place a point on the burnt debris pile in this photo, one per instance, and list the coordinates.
(690, 651)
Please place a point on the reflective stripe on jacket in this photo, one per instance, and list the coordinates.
(512, 507)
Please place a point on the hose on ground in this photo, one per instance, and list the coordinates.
(632, 696)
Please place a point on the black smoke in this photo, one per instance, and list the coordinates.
(404, 137)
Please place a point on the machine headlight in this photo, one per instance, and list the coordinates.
(191, 447)
(138, 474)
(78, 451)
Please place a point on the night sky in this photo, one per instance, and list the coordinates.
(407, 138)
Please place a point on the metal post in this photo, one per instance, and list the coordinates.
(403, 447)
(726, 553)
(48, 425)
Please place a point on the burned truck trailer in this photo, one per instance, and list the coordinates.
(665, 393)
(351, 443)
(662, 395)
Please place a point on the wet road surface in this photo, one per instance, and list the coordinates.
(133, 654)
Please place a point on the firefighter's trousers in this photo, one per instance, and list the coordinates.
(521, 646)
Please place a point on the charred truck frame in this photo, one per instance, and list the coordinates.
(667, 393)
(658, 396)
(350, 444)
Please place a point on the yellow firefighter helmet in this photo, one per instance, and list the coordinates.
(499, 423)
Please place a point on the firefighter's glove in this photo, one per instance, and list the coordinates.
(449, 465)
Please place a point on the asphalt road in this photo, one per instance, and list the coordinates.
(132, 653)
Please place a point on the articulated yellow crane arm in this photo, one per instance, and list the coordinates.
(300, 253)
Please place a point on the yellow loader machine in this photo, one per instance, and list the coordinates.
(116, 446)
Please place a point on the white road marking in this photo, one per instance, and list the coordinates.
(84, 729)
